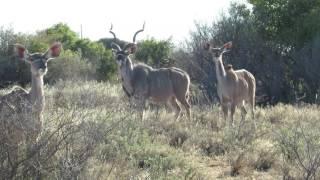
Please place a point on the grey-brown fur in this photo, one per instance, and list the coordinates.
(21, 110)
(146, 83)
(235, 87)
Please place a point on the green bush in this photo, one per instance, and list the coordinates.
(69, 66)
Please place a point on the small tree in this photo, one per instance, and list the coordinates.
(155, 53)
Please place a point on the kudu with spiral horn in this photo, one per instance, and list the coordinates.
(144, 83)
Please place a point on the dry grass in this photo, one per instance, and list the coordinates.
(103, 139)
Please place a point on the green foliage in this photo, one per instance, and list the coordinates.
(69, 66)
(91, 52)
(11, 69)
(88, 48)
(7, 37)
(100, 57)
(155, 53)
(37, 46)
(292, 29)
(107, 66)
(107, 42)
(288, 22)
(61, 32)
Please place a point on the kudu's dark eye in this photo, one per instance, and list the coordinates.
(43, 65)
(120, 57)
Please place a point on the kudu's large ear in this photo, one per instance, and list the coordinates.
(227, 45)
(130, 48)
(54, 51)
(21, 52)
(206, 46)
(115, 48)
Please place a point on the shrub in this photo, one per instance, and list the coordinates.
(300, 144)
(264, 161)
(215, 148)
(69, 66)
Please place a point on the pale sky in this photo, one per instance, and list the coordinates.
(164, 18)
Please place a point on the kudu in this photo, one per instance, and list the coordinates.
(21, 111)
(235, 87)
(146, 83)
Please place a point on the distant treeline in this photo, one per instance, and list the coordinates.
(278, 41)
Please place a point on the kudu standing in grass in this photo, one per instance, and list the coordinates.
(235, 87)
(146, 83)
(21, 111)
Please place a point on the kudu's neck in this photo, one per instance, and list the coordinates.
(220, 71)
(129, 66)
(126, 71)
(36, 92)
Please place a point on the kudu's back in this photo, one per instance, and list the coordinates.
(248, 78)
(160, 84)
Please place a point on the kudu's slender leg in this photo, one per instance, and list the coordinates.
(175, 104)
(183, 100)
(224, 107)
(243, 112)
(232, 110)
(252, 103)
(141, 107)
